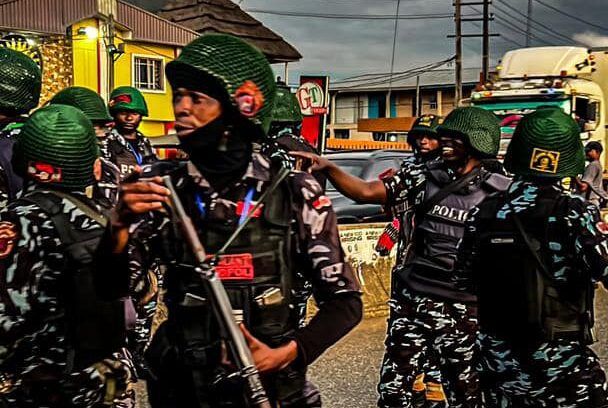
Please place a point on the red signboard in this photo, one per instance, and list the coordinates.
(313, 95)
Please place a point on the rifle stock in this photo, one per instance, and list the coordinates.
(221, 306)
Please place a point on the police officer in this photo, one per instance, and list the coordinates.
(224, 92)
(20, 84)
(430, 325)
(60, 345)
(424, 140)
(532, 255)
(125, 146)
(144, 278)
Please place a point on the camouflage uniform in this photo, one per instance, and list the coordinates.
(46, 359)
(34, 340)
(558, 373)
(424, 333)
(433, 323)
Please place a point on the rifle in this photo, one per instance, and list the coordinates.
(220, 304)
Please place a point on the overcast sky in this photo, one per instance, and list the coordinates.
(346, 47)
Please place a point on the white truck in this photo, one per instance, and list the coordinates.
(573, 78)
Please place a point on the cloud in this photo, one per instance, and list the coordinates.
(591, 39)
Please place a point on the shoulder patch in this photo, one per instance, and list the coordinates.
(8, 236)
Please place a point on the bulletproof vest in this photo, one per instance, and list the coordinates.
(255, 270)
(125, 159)
(94, 328)
(439, 230)
(13, 181)
(518, 300)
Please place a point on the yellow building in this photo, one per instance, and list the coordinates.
(98, 44)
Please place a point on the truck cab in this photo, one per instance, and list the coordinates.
(571, 78)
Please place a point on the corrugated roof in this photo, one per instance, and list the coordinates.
(223, 16)
(44, 16)
(434, 79)
(152, 28)
(54, 16)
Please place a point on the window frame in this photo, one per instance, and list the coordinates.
(162, 60)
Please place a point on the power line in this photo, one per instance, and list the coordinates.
(512, 26)
(571, 16)
(353, 16)
(380, 75)
(545, 29)
(500, 20)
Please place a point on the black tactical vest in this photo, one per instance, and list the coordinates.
(518, 299)
(94, 328)
(256, 269)
(438, 231)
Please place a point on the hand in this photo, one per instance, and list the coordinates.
(388, 173)
(318, 163)
(139, 197)
(269, 359)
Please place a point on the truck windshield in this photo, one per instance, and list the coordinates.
(510, 113)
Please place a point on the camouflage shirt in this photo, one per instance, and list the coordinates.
(32, 329)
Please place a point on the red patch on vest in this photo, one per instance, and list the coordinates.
(602, 227)
(120, 98)
(249, 99)
(235, 267)
(240, 208)
(8, 235)
(321, 202)
(44, 172)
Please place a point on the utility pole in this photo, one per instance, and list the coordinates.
(390, 79)
(418, 111)
(458, 62)
(485, 59)
(529, 24)
(458, 36)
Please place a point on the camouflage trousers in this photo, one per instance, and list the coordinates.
(429, 351)
(559, 374)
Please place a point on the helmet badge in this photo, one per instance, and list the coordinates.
(249, 99)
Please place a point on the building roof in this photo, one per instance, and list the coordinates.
(438, 78)
(223, 16)
(53, 17)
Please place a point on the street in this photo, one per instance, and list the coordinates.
(347, 374)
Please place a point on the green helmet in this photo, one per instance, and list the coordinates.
(286, 106)
(57, 146)
(546, 143)
(20, 82)
(239, 69)
(89, 102)
(424, 125)
(127, 98)
(479, 127)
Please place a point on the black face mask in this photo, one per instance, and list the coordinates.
(221, 153)
(432, 155)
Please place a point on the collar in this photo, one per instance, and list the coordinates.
(116, 135)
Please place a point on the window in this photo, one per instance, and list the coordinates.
(433, 103)
(586, 113)
(148, 74)
(342, 133)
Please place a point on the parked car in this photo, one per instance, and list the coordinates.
(367, 165)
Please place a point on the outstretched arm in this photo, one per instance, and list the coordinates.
(351, 186)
